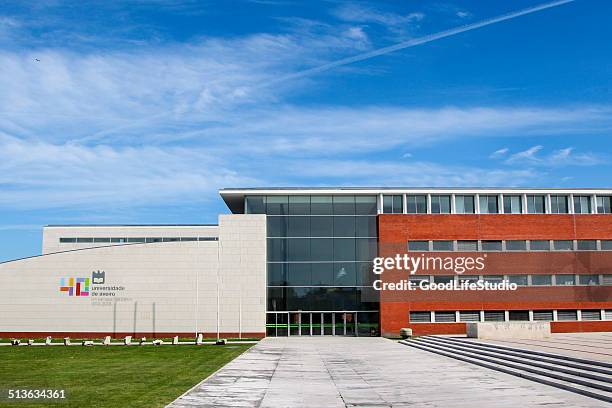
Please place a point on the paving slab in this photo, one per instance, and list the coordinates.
(365, 372)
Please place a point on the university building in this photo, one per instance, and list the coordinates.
(299, 261)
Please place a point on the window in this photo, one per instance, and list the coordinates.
(344, 205)
(588, 279)
(152, 239)
(488, 204)
(255, 204)
(277, 205)
(365, 205)
(494, 316)
(418, 279)
(607, 280)
(516, 245)
(416, 204)
(518, 315)
(604, 204)
(445, 317)
(558, 204)
(418, 245)
(67, 240)
(606, 245)
(344, 249)
(366, 226)
(321, 205)
(172, 239)
(541, 280)
(563, 245)
(131, 240)
(440, 204)
(543, 315)
(420, 317)
(493, 278)
(567, 315)
(298, 274)
(590, 315)
(586, 245)
(513, 204)
(393, 204)
(565, 280)
(467, 246)
(467, 278)
(90, 240)
(444, 278)
(343, 226)
(469, 316)
(320, 226)
(535, 204)
(582, 204)
(539, 245)
(442, 245)
(299, 205)
(491, 245)
(464, 204)
(520, 280)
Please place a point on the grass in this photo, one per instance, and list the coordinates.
(135, 376)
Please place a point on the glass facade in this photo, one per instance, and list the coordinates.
(319, 260)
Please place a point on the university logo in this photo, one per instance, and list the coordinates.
(75, 286)
(98, 277)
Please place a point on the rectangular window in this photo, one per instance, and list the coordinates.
(467, 246)
(277, 205)
(321, 205)
(444, 278)
(277, 226)
(543, 315)
(418, 279)
(344, 249)
(567, 315)
(416, 204)
(493, 278)
(536, 204)
(344, 226)
(582, 204)
(588, 279)
(67, 240)
(299, 205)
(606, 280)
(520, 280)
(604, 204)
(513, 204)
(344, 205)
(119, 240)
(442, 245)
(606, 245)
(565, 280)
(130, 240)
(90, 240)
(320, 226)
(445, 317)
(255, 204)
(365, 226)
(541, 280)
(189, 239)
(491, 245)
(171, 239)
(494, 316)
(469, 316)
(516, 245)
(365, 205)
(586, 245)
(488, 204)
(440, 204)
(418, 245)
(101, 240)
(393, 204)
(468, 278)
(558, 204)
(298, 274)
(464, 204)
(563, 245)
(518, 315)
(539, 245)
(298, 249)
(420, 317)
(300, 226)
(590, 315)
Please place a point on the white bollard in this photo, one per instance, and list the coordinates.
(175, 340)
(127, 341)
(66, 341)
(107, 341)
(199, 339)
(48, 341)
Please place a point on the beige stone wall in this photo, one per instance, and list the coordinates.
(169, 287)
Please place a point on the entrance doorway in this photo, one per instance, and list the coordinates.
(344, 323)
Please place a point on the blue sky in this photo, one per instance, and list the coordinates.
(139, 111)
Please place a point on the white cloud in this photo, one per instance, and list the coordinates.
(395, 22)
(499, 153)
(561, 157)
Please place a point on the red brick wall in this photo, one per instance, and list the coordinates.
(396, 230)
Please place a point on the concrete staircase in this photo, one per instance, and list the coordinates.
(586, 377)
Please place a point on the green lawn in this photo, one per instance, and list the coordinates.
(115, 376)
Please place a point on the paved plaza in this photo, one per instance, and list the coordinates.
(364, 372)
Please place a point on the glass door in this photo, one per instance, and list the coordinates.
(294, 324)
(349, 324)
(339, 326)
(305, 328)
(328, 324)
(317, 323)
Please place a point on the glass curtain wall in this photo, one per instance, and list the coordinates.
(320, 251)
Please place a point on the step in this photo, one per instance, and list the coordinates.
(557, 360)
(568, 386)
(584, 372)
